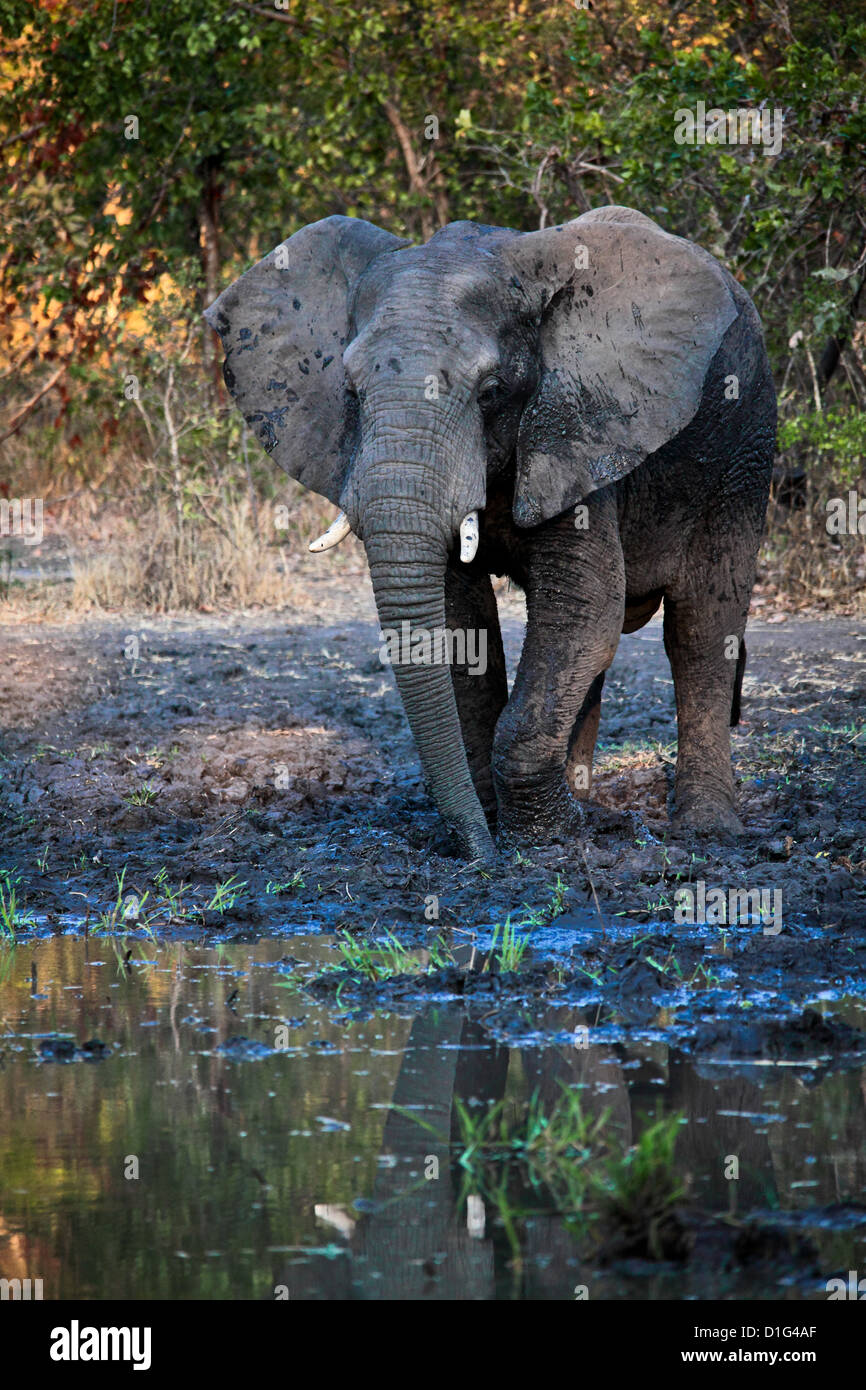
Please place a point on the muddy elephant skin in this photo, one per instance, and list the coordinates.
(588, 409)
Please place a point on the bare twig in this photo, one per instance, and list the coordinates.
(412, 162)
(25, 410)
(22, 134)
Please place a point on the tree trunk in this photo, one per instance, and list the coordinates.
(210, 261)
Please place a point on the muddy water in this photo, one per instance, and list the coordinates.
(190, 1121)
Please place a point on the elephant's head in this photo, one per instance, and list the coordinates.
(395, 380)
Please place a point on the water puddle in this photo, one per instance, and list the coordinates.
(199, 1121)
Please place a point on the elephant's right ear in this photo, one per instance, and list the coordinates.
(284, 325)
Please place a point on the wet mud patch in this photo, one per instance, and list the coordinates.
(810, 1038)
(715, 998)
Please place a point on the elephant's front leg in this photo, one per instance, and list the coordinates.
(480, 680)
(582, 746)
(575, 605)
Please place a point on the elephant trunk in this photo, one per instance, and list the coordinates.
(407, 553)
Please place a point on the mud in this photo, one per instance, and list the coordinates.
(148, 763)
(273, 748)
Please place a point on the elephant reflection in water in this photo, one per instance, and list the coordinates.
(415, 1243)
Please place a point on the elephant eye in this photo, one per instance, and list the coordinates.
(489, 391)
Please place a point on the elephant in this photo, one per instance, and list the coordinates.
(587, 409)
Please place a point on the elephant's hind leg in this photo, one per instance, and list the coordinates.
(703, 633)
(480, 683)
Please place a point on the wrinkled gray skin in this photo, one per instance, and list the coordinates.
(602, 363)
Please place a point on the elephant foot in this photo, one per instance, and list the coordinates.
(551, 814)
(568, 821)
(702, 816)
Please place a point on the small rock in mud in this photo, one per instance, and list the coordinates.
(779, 849)
(838, 1216)
(767, 1245)
(774, 1255)
(813, 1030)
(58, 1049)
(286, 964)
(636, 987)
(236, 790)
(661, 1236)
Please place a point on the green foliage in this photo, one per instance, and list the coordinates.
(225, 895)
(253, 121)
(557, 1147)
(507, 949)
(834, 440)
(277, 889)
(637, 1193)
(387, 957)
(14, 916)
(163, 905)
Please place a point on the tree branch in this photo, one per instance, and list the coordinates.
(23, 411)
(412, 162)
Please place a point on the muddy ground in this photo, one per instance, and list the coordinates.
(269, 750)
(272, 747)
(254, 773)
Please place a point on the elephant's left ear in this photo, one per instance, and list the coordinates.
(631, 319)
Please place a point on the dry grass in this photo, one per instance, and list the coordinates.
(802, 566)
(237, 557)
(205, 536)
(160, 566)
(119, 538)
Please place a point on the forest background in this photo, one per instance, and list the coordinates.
(150, 151)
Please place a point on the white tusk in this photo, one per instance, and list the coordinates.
(336, 532)
(469, 537)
